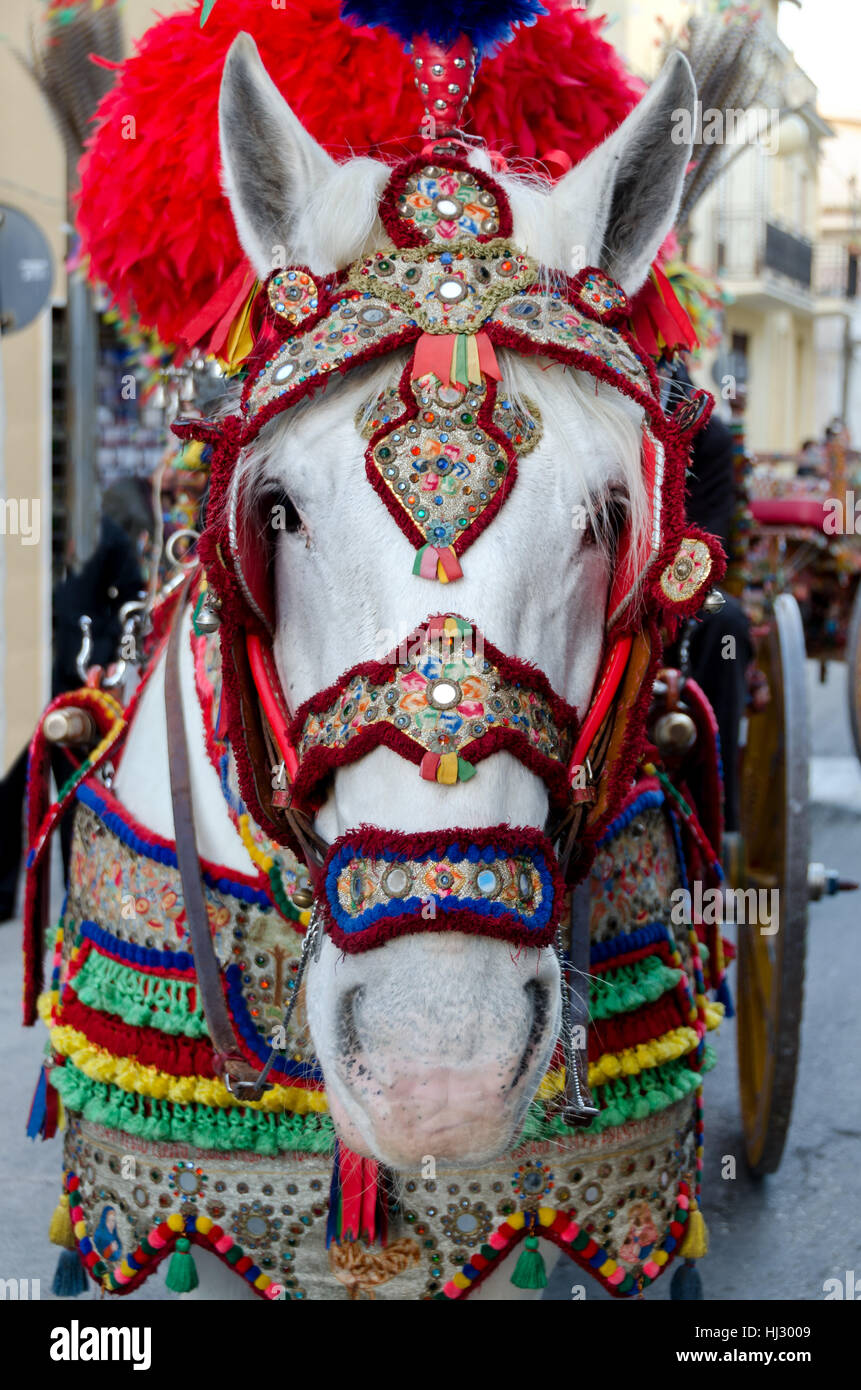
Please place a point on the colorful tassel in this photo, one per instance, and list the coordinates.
(445, 768)
(686, 1285)
(434, 562)
(70, 1277)
(44, 1117)
(529, 1272)
(36, 1118)
(696, 1240)
(357, 1204)
(724, 996)
(60, 1230)
(182, 1271)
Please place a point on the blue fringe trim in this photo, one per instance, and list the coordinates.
(135, 955)
(646, 801)
(635, 941)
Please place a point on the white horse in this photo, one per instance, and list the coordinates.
(433, 1044)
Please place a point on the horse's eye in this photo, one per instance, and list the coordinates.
(609, 520)
(283, 515)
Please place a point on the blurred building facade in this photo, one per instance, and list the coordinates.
(756, 230)
(33, 371)
(838, 325)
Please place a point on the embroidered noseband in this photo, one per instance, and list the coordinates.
(499, 882)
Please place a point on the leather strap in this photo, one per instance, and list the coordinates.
(240, 1076)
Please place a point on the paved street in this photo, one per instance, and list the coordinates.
(780, 1238)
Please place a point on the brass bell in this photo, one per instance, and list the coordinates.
(303, 895)
(209, 616)
(674, 733)
(714, 601)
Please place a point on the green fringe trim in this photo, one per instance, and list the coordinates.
(283, 903)
(629, 987)
(627, 1098)
(203, 1126)
(137, 998)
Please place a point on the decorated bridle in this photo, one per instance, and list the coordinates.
(443, 454)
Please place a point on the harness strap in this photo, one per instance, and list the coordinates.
(237, 1071)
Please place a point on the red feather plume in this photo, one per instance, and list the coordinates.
(152, 217)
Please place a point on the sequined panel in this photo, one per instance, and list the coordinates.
(445, 695)
(632, 876)
(357, 321)
(446, 203)
(442, 467)
(139, 901)
(449, 291)
(519, 420)
(621, 1189)
(550, 319)
(438, 888)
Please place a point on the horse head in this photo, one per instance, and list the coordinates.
(434, 1042)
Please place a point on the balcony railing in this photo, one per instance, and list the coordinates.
(748, 246)
(835, 271)
(788, 254)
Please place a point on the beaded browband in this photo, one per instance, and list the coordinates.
(442, 455)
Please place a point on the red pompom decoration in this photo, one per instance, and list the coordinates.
(152, 217)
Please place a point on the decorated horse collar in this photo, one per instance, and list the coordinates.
(453, 289)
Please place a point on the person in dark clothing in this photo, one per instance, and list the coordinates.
(720, 646)
(110, 578)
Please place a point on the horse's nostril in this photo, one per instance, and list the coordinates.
(540, 1015)
(348, 1033)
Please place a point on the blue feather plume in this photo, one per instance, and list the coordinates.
(488, 23)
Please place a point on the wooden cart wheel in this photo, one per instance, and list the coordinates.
(853, 670)
(776, 835)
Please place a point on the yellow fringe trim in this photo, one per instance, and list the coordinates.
(552, 1084)
(667, 1048)
(46, 1004)
(130, 1075)
(714, 1015)
(257, 856)
(676, 1043)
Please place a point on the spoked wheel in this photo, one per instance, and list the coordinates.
(853, 670)
(776, 838)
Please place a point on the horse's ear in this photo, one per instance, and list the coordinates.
(623, 198)
(282, 186)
